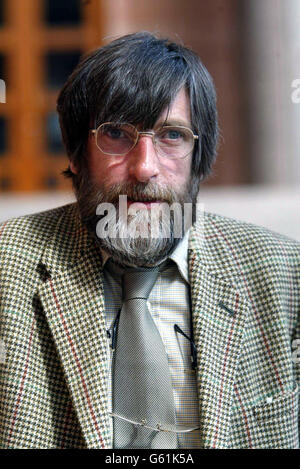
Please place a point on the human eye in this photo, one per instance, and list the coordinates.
(171, 135)
(114, 132)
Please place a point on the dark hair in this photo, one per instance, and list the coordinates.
(133, 79)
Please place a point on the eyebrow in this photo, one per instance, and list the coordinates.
(175, 122)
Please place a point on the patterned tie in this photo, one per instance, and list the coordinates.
(142, 389)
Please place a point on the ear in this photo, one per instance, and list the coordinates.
(73, 167)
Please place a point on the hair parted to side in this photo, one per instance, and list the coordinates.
(134, 79)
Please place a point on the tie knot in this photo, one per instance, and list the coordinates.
(137, 282)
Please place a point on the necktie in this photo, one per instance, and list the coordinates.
(142, 389)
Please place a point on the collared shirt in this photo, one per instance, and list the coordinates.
(168, 304)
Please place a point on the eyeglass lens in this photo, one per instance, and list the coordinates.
(170, 141)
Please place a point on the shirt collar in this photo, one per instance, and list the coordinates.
(179, 256)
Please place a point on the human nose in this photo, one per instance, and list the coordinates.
(143, 161)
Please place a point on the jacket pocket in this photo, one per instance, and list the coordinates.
(272, 424)
(279, 405)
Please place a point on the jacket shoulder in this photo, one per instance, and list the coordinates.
(238, 229)
(30, 232)
(222, 238)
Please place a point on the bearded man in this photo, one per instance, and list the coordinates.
(130, 319)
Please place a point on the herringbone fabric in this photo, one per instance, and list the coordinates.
(245, 301)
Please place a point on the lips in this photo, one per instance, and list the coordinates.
(141, 203)
(143, 200)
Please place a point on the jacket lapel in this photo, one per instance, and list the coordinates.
(219, 310)
(72, 297)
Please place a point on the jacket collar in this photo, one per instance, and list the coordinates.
(70, 243)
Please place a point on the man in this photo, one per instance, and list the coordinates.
(212, 358)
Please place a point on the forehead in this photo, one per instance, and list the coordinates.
(179, 111)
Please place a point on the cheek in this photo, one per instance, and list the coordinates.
(103, 168)
(177, 171)
(107, 172)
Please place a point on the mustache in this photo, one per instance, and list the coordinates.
(90, 194)
(137, 192)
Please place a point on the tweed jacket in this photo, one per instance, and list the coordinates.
(245, 306)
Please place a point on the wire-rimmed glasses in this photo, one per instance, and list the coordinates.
(159, 427)
(170, 141)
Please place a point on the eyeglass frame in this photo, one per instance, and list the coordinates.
(150, 133)
(177, 429)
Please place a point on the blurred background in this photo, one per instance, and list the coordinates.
(250, 47)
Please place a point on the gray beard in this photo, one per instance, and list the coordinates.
(131, 249)
(134, 244)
